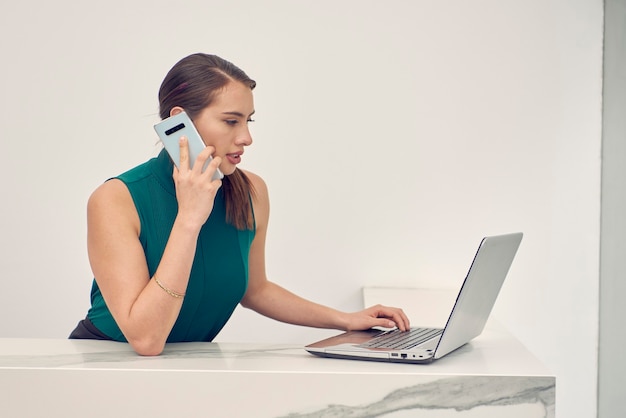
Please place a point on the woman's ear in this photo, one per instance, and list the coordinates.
(176, 110)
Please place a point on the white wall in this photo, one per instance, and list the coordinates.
(392, 135)
(611, 363)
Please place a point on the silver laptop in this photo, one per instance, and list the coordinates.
(466, 321)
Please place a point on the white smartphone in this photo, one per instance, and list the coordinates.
(171, 129)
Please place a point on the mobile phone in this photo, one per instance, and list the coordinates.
(171, 129)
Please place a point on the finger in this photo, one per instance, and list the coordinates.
(393, 322)
(208, 151)
(400, 318)
(385, 323)
(213, 167)
(184, 153)
(202, 158)
(396, 315)
(400, 323)
(407, 322)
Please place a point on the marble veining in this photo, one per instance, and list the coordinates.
(461, 393)
(217, 351)
(173, 351)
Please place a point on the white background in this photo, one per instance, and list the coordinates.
(392, 135)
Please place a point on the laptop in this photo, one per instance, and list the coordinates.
(422, 345)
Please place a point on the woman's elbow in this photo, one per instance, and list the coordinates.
(255, 296)
(147, 347)
(248, 301)
(245, 303)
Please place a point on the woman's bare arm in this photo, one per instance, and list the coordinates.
(143, 310)
(273, 301)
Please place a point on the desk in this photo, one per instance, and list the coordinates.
(493, 376)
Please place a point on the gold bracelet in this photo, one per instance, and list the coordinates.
(168, 291)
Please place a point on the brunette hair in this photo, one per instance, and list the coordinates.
(192, 84)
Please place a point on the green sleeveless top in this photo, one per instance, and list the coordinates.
(219, 275)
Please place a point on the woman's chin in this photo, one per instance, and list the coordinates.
(227, 171)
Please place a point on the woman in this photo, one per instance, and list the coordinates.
(172, 251)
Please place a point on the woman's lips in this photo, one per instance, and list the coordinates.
(234, 158)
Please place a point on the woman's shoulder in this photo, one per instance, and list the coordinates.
(260, 196)
(111, 204)
(111, 193)
(119, 187)
(257, 182)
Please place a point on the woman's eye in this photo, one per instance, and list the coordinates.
(234, 122)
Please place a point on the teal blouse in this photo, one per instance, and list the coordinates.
(219, 275)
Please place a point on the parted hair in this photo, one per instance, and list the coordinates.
(192, 84)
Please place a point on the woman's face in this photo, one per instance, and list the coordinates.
(224, 124)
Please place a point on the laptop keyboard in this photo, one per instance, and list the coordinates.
(402, 340)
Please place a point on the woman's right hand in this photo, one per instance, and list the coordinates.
(195, 190)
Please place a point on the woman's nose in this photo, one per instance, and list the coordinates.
(245, 138)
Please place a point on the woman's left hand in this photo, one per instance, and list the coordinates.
(378, 316)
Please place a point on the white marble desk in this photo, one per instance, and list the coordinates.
(492, 376)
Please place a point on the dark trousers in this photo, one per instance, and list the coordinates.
(86, 330)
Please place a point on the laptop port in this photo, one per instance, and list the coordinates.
(403, 355)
